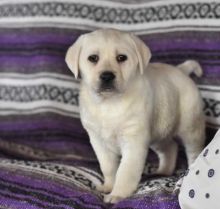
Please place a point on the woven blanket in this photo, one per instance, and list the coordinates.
(46, 160)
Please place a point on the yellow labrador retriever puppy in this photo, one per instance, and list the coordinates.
(128, 105)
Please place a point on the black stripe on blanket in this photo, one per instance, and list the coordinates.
(109, 14)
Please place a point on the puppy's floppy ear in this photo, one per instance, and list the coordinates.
(72, 56)
(142, 51)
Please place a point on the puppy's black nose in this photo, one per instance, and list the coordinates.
(107, 76)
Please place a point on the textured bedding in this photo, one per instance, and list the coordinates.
(46, 159)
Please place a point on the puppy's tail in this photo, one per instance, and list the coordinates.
(191, 66)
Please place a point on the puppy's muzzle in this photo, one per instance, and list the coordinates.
(107, 81)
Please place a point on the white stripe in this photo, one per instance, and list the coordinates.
(37, 81)
(210, 95)
(38, 104)
(175, 29)
(87, 175)
(142, 28)
(41, 110)
(209, 87)
(109, 3)
(94, 26)
(33, 107)
(36, 75)
(91, 171)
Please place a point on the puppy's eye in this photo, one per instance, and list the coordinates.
(121, 58)
(93, 58)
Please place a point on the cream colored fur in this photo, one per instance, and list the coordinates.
(150, 105)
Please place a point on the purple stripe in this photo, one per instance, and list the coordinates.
(33, 125)
(10, 203)
(211, 71)
(165, 41)
(29, 68)
(44, 37)
(41, 124)
(157, 44)
(200, 40)
(42, 183)
(164, 44)
(38, 202)
(55, 143)
(43, 139)
(157, 201)
(62, 147)
(67, 36)
(30, 201)
(33, 59)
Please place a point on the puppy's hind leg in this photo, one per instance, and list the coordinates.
(192, 134)
(191, 128)
(193, 139)
(167, 154)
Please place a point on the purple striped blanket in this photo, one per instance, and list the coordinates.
(46, 159)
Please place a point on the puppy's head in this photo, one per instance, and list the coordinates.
(108, 60)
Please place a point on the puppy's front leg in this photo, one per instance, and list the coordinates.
(108, 162)
(129, 173)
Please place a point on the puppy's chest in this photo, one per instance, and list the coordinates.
(106, 127)
(104, 124)
(105, 121)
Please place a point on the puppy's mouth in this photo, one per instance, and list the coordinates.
(107, 88)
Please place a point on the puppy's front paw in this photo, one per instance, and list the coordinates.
(104, 188)
(112, 199)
